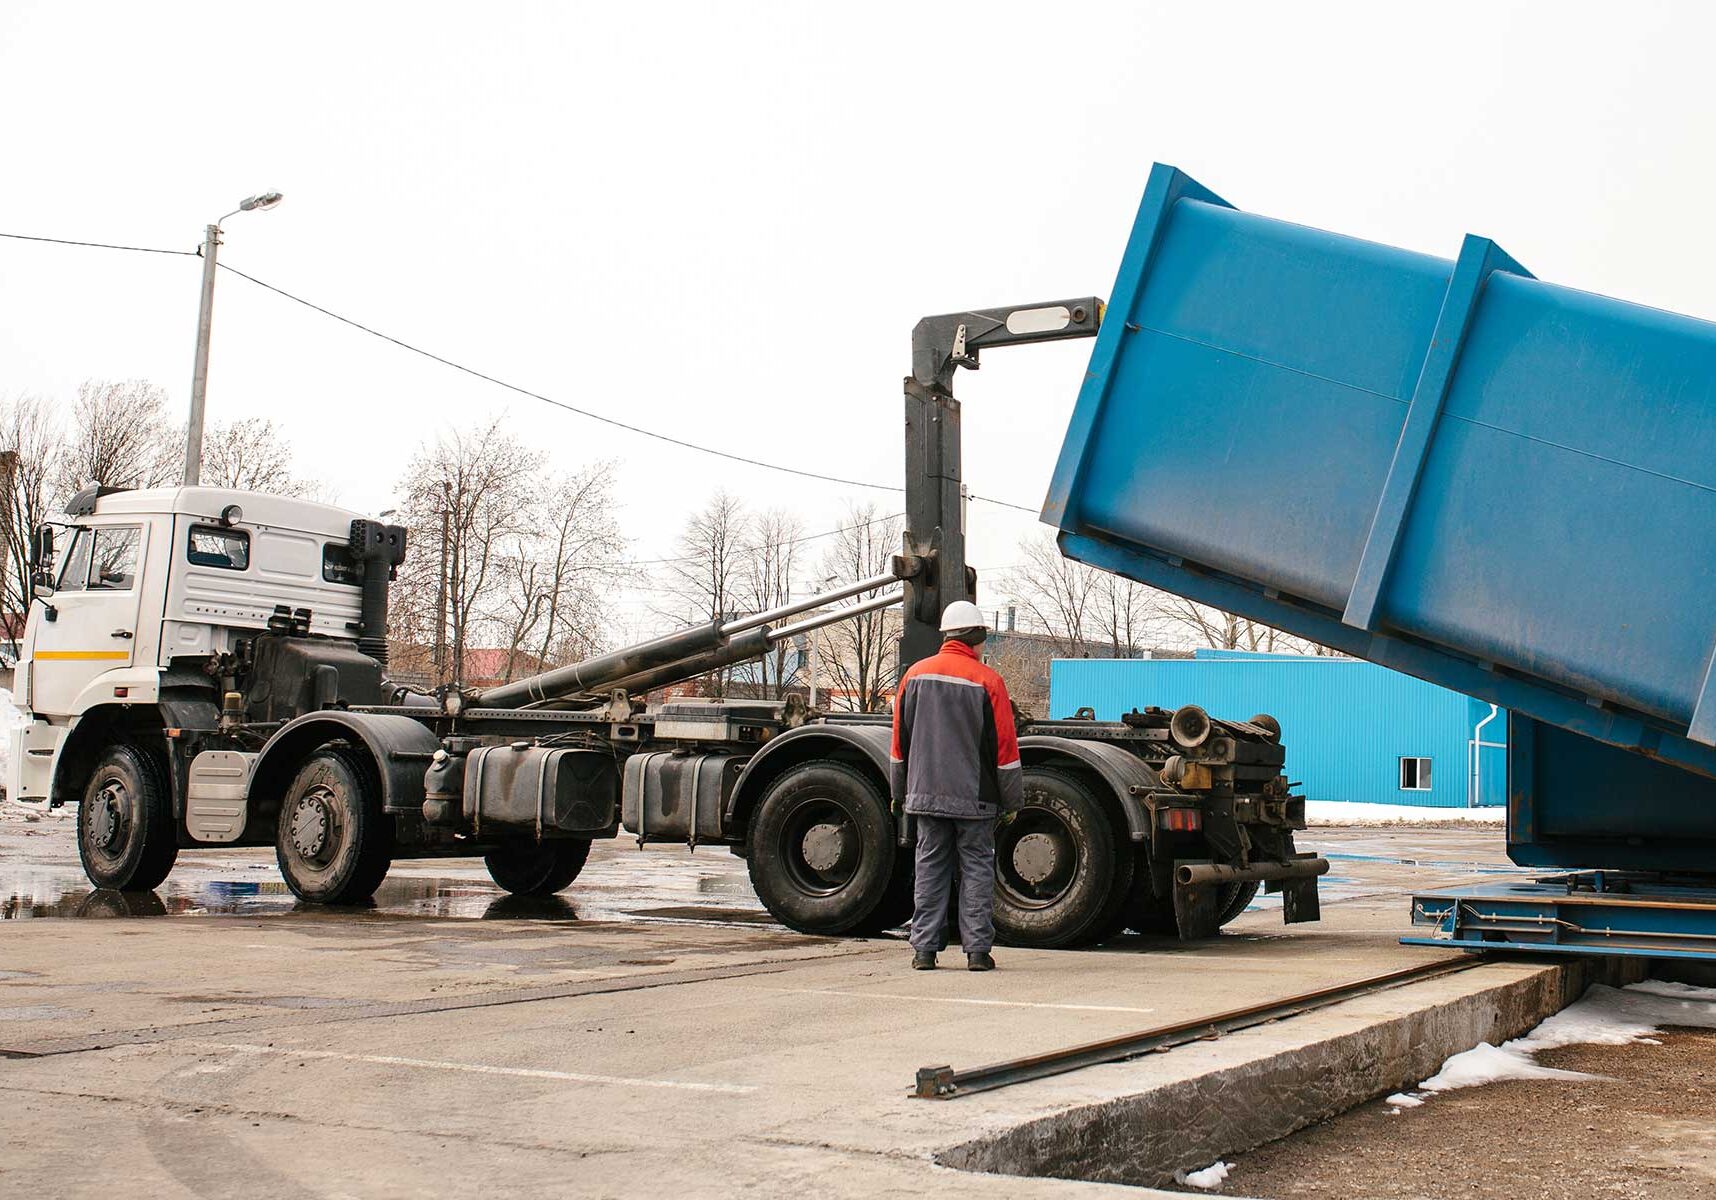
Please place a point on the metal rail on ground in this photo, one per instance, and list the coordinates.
(945, 1083)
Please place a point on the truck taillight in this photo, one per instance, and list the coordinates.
(1180, 820)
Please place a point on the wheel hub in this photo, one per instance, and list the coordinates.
(1035, 857)
(824, 847)
(107, 825)
(311, 823)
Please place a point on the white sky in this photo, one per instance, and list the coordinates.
(723, 220)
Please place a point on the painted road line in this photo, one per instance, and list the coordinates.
(432, 1064)
(1120, 1008)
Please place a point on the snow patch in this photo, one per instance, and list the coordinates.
(1485, 1063)
(1209, 1177)
(1344, 812)
(1603, 1016)
(10, 719)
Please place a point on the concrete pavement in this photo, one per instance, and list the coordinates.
(593, 1051)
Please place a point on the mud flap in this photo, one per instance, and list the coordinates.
(1299, 901)
(1197, 910)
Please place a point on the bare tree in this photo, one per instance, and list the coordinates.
(559, 569)
(253, 455)
(1058, 597)
(1126, 615)
(766, 582)
(860, 657)
(707, 576)
(467, 498)
(1205, 626)
(1085, 611)
(120, 437)
(30, 434)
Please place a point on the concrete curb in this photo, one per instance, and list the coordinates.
(1274, 1088)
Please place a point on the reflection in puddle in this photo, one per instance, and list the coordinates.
(191, 897)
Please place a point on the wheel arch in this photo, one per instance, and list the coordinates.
(1117, 770)
(91, 733)
(397, 747)
(862, 746)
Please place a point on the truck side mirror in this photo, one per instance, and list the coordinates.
(41, 555)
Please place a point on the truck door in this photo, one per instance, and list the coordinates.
(95, 608)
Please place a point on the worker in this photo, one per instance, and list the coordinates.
(955, 770)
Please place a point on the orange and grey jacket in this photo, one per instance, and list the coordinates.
(955, 752)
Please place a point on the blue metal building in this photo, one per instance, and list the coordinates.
(1353, 730)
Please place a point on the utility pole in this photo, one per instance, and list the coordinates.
(205, 322)
(200, 371)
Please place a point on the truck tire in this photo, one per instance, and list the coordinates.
(1235, 897)
(898, 902)
(537, 868)
(126, 834)
(334, 843)
(1153, 916)
(1062, 871)
(823, 853)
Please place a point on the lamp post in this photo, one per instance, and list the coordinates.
(205, 318)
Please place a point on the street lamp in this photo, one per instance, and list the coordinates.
(205, 317)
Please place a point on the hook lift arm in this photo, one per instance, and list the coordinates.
(933, 561)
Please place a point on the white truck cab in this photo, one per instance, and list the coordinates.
(144, 583)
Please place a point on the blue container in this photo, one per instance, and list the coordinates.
(1449, 467)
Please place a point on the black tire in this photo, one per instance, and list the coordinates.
(105, 903)
(1154, 916)
(822, 851)
(334, 842)
(126, 835)
(898, 901)
(1234, 899)
(1062, 870)
(537, 868)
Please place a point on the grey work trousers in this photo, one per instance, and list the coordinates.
(943, 841)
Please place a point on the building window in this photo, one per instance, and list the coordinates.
(212, 546)
(1414, 774)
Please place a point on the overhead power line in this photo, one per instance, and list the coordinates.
(27, 237)
(809, 537)
(585, 412)
(513, 387)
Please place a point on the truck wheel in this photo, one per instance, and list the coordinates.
(1234, 899)
(1149, 914)
(334, 842)
(1062, 874)
(538, 868)
(822, 850)
(897, 901)
(126, 834)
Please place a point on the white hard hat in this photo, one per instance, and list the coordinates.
(962, 614)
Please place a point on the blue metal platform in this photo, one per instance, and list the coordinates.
(1593, 912)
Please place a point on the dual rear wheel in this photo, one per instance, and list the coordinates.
(824, 859)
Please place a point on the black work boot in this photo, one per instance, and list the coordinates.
(923, 960)
(981, 961)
